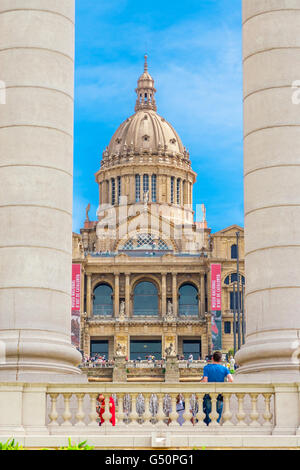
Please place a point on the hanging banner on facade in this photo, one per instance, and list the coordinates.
(75, 313)
(76, 277)
(216, 307)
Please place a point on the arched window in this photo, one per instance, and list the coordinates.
(145, 299)
(231, 278)
(188, 300)
(234, 296)
(137, 188)
(145, 241)
(234, 251)
(103, 300)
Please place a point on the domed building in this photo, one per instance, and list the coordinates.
(145, 262)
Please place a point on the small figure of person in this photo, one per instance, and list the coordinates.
(214, 372)
(180, 407)
(101, 409)
(232, 364)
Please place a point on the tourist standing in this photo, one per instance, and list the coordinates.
(214, 372)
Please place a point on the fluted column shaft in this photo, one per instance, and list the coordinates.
(36, 180)
(272, 195)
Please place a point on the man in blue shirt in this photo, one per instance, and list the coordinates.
(214, 372)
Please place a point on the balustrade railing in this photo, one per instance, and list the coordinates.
(226, 407)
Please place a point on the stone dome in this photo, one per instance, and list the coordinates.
(145, 132)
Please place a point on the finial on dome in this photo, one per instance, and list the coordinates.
(145, 90)
(146, 63)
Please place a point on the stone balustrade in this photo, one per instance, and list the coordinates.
(146, 414)
(243, 409)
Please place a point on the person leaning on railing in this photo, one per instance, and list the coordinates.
(214, 372)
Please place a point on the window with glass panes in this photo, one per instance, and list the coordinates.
(145, 183)
(191, 347)
(99, 348)
(172, 189)
(142, 349)
(145, 299)
(234, 251)
(119, 189)
(103, 300)
(178, 191)
(113, 192)
(153, 188)
(137, 188)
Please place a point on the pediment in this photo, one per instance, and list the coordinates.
(229, 231)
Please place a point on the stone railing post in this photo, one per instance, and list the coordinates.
(34, 408)
(172, 373)
(287, 409)
(119, 370)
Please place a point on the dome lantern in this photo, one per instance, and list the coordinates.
(145, 90)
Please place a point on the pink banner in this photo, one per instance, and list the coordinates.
(216, 290)
(76, 286)
(75, 314)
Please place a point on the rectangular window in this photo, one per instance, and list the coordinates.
(227, 327)
(100, 348)
(113, 192)
(192, 347)
(137, 188)
(153, 188)
(145, 183)
(119, 189)
(172, 189)
(178, 191)
(142, 349)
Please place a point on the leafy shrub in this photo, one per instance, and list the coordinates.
(10, 445)
(81, 446)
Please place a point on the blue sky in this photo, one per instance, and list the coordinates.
(194, 50)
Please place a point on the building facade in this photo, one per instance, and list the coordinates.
(145, 262)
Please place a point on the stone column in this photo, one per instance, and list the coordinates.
(89, 294)
(127, 294)
(163, 295)
(36, 142)
(272, 195)
(174, 294)
(202, 295)
(117, 295)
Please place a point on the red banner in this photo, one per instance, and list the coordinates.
(216, 288)
(76, 287)
(75, 314)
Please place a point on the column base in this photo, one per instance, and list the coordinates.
(272, 357)
(38, 356)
